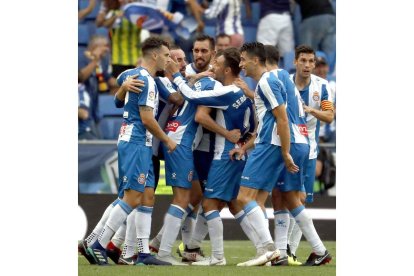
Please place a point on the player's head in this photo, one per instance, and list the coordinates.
(252, 55)
(178, 53)
(157, 51)
(222, 42)
(203, 51)
(272, 55)
(321, 65)
(227, 63)
(304, 60)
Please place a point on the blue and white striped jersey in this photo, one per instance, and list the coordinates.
(207, 137)
(318, 96)
(132, 129)
(269, 94)
(235, 111)
(295, 112)
(181, 127)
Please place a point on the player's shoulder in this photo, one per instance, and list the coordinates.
(318, 80)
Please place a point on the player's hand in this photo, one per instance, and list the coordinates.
(171, 145)
(172, 66)
(132, 84)
(306, 108)
(290, 164)
(237, 154)
(233, 135)
(240, 83)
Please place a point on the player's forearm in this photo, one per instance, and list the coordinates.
(187, 92)
(206, 121)
(249, 93)
(326, 116)
(284, 134)
(121, 93)
(250, 143)
(152, 126)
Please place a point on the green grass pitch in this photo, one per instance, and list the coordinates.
(235, 252)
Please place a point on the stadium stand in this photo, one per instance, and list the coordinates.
(110, 117)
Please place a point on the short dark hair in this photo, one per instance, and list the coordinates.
(175, 47)
(255, 49)
(306, 49)
(203, 37)
(152, 43)
(232, 60)
(223, 35)
(272, 54)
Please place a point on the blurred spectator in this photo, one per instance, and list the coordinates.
(86, 129)
(94, 71)
(228, 16)
(191, 11)
(83, 13)
(125, 36)
(275, 26)
(317, 28)
(223, 42)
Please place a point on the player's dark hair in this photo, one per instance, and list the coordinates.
(232, 60)
(203, 37)
(272, 54)
(255, 49)
(152, 43)
(175, 47)
(223, 35)
(306, 49)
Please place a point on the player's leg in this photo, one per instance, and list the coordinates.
(93, 236)
(281, 222)
(261, 199)
(129, 255)
(260, 173)
(215, 229)
(292, 200)
(179, 173)
(306, 197)
(133, 169)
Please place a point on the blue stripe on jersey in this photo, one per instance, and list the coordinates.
(295, 112)
(116, 201)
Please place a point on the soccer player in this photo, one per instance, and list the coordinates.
(234, 112)
(135, 141)
(299, 135)
(271, 147)
(203, 51)
(316, 95)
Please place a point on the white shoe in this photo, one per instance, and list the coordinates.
(170, 259)
(210, 261)
(261, 260)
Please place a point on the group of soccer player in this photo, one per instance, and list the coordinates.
(223, 144)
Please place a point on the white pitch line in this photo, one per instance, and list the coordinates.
(317, 214)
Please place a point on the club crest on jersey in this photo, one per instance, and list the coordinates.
(141, 178)
(190, 176)
(172, 126)
(151, 95)
(315, 96)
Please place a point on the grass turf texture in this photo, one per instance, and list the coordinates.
(235, 252)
